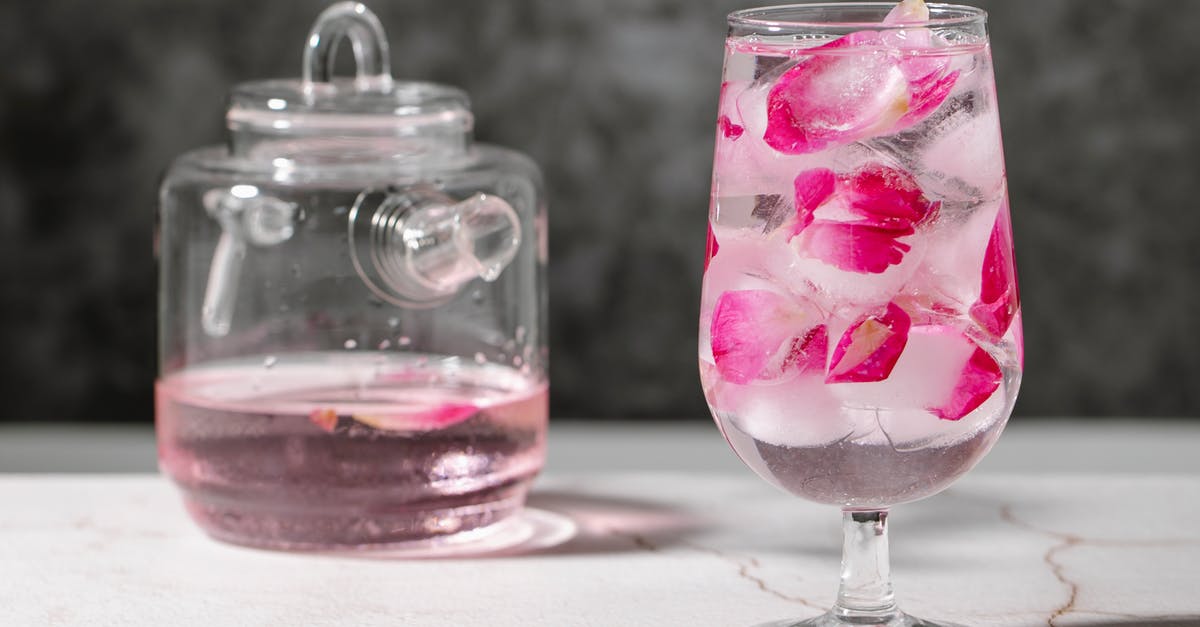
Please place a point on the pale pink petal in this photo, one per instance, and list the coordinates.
(980, 377)
(423, 419)
(999, 298)
(728, 129)
(748, 329)
(813, 187)
(830, 100)
(854, 247)
(869, 349)
(908, 11)
(325, 417)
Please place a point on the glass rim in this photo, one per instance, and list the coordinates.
(761, 17)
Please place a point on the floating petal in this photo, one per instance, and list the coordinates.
(886, 196)
(870, 348)
(999, 297)
(808, 353)
(813, 187)
(326, 418)
(854, 247)
(711, 247)
(830, 100)
(979, 379)
(728, 129)
(908, 11)
(424, 419)
(749, 328)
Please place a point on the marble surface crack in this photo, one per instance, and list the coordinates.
(744, 565)
(1065, 541)
(1068, 541)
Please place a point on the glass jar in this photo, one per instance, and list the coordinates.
(352, 312)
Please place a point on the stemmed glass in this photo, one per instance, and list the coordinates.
(860, 331)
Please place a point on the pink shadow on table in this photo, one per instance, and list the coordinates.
(556, 522)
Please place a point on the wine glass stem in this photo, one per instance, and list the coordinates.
(865, 595)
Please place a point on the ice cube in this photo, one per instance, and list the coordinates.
(925, 377)
(797, 412)
(836, 288)
(745, 165)
(958, 240)
(956, 153)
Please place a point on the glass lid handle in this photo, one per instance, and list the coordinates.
(355, 21)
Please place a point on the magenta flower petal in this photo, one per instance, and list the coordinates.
(886, 196)
(749, 327)
(980, 377)
(813, 187)
(999, 297)
(728, 129)
(419, 419)
(808, 353)
(711, 247)
(927, 94)
(830, 100)
(855, 247)
(869, 349)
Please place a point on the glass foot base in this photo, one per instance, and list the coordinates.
(829, 619)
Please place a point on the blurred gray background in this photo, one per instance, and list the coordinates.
(616, 99)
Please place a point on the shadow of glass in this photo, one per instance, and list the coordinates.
(558, 523)
(609, 524)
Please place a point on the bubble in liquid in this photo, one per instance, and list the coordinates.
(384, 345)
(270, 361)
(403, 340)
(480, 358)
(393, 322)
(350, 344)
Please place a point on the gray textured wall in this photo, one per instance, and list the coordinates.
(617, 100)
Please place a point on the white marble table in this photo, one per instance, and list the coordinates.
(648, 548)
(706, 544)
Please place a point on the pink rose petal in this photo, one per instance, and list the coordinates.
(325, 417)
(711, 247)
(855, 247)
(830, 100)
(980, 378)
(886, 196)
(928, 92)
(999, 298)
(728, 129)
(419, 419)
(869, 349)
(813, 187)
(908, 11)
(808, 353)
(748, 329)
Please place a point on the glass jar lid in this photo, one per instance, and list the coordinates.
(264, 115)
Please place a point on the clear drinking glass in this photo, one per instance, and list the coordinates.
(860, 330)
